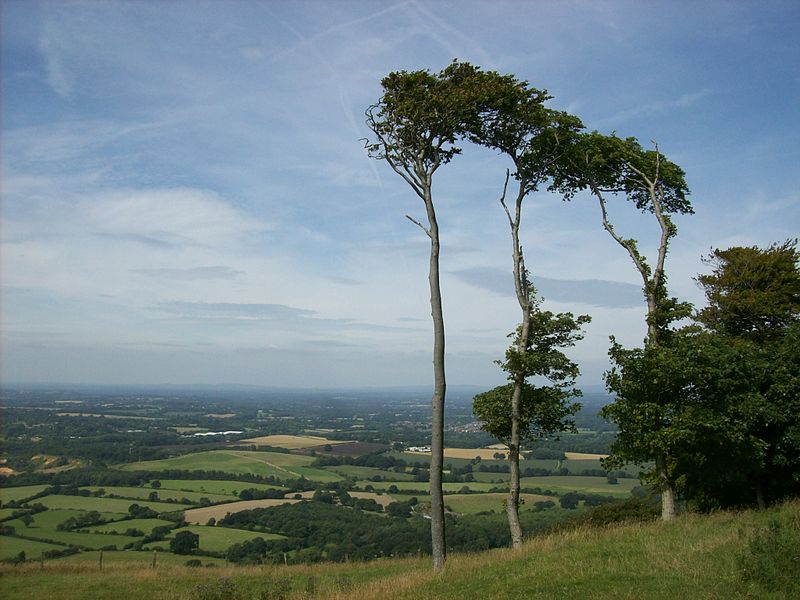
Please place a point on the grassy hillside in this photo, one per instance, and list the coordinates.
(695, 557)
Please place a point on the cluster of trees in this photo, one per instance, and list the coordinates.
(418, 125)
(717, 400)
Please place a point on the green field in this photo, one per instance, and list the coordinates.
(211, 486)
(475, 503)
(449, 488)
(74, 538)
(7, 512)
(695, 556)
(265, 464)
(50, 519)
(216, 539)
(141, 493)
(146, 525)
(11, 546)
(133, 559)
(574, 483)
(356, 472)
(103, 504)
(15, 494)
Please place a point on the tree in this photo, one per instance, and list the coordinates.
(607, 166)
(184, 542)
(416, 125)
(541, 410)
(753, 318)
(512, 119)
(752, 294)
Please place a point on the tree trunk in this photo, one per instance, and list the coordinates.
(665, 486)
(762, 504)
(512, 505)
(437, 403)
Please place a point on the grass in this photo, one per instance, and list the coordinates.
(141, 493)
(50, 519)
(11, 546)
(129, 558)
(356, 472)
(475, 503)
(82, 540)
(200, 516)
(449, 488)
(16, 494)
(145, 525)
(217, 539)
(574, 483)
(117, 505)
(290, 442)
(276, 464)
(212, 486)
(695, 556)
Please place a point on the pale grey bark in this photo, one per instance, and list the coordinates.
(523, 298)
(651, 283)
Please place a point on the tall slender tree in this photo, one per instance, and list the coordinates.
(512, 119)
(522, 410)
(608, 166)
(416, 125)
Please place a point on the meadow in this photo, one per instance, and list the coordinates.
(291, 442)
(215, 539)
(265, 464)
(212, 486)
(103, 505)
(200, 516)
(141, 493)
(695, 556)
(475, 503)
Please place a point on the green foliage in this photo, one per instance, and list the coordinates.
(752, 293)
(772, 558)
(544, 409)
(184, 542)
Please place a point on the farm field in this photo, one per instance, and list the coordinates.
(584, 456)
(140, 493)
(200, 516)
(356, 472)
(215, 539)
(291, 442)
(94, 541)
(464, 453)
(449, 488)
(133, 559)
(213, 486)
(117, 505)
(570, 483)
(50, 519)
(265, 464)
(12, 546)
(16, 494)
(382, 499)
(146, 525)
(475, 503)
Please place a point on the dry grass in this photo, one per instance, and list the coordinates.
(584, 456)
(468, 453)
(200, 516)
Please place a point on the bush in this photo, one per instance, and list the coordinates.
(772, 558)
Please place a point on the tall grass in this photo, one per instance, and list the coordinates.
(696, 556)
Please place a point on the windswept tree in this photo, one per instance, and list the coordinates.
(522, 410)
(609, 167)
(416, 125)
(513, 120)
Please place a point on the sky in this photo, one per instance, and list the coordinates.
(186, 197)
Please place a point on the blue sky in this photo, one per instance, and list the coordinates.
(185, 198)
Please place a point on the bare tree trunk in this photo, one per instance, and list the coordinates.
(521, 288)
(512, 505)
(437, 402)
(665, 486)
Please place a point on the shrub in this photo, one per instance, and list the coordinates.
(772, 558)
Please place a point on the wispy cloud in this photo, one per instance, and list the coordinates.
(192, 274)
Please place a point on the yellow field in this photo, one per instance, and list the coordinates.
(200, 516)
(290, 442)
(584, 456)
